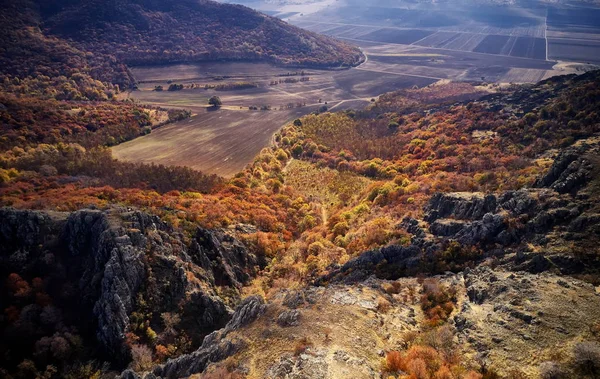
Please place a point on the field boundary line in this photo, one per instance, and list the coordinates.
(400, 74)
(415, 28)
(431, 35)
(438, 48)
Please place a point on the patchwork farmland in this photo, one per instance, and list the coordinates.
(574, 34)
(463, 34)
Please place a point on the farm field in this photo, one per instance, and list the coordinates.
(224, 141)
(220, 142)
(531, 30)
(574, 35)
(448, 64)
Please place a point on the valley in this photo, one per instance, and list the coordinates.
(405, 47)
(329, 189)
(223, 141)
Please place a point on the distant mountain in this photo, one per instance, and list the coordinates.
(61, 37)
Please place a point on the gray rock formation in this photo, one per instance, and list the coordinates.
(289, 318)
(461, 206)
(571, 169)
(357, 269)
(224, 257)
(215, 347)
(118, 255)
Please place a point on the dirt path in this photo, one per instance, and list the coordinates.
(324, 214)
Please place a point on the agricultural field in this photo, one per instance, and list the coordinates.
(220, 141)
(574, 35)
(223, 141)
(531, 30)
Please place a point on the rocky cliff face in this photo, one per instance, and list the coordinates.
(215, 347)
(123, 261)
(223, 256)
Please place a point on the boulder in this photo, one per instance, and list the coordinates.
(289, 318)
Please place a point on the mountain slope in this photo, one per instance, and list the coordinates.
(148, 31)
(405, 228)
(49, 42)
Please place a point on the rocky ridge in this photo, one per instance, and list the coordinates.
(560, 209)
(215, 347)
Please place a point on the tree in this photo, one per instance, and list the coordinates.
(175, 87)
(215, 101)
(141, 357)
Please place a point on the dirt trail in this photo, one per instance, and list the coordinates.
(324, 214)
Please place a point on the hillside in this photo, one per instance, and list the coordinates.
(444, 231)
(151, 32)
(79, 50)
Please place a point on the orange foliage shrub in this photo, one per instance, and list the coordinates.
(437, 301)
(301, 346)
(395, 361)
(443, 373)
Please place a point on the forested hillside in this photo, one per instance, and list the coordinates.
(80, 50)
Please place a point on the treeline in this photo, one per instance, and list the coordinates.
(290, 80)
(98, 164)
(231, 86)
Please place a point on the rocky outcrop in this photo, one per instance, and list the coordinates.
(514, 217)
(459, 205)
(446, 227)
(396, 258)
(118, 255)
(113, 271)
(312, 365)
(109, 266)
(225, 258)
(215, 347)
(571, 169)
(289, 318)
